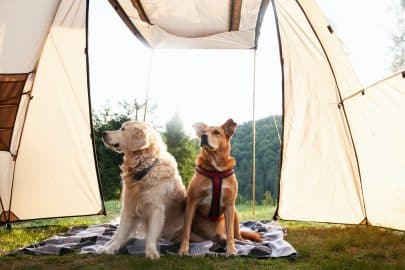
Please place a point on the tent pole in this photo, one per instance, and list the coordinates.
(254, 135)
(278, 132)
(276, 216)
(148, 85)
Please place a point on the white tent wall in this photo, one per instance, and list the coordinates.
(21, 40)
(315, 66)
(346, 78)
(19, 53)
(377, 120)
(55, 172)
(319, 174)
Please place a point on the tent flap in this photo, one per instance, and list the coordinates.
(377, 117)
(50, 161)
(319, 178)
(342, 159)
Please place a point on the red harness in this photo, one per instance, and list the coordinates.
(216, 178)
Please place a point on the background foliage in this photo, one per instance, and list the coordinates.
(181, 147)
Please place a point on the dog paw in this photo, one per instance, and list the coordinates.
(243, 240)
(183, 251)
(109, 250)
(152, 253)
(230, 250)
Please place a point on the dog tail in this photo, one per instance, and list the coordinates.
(252, 236)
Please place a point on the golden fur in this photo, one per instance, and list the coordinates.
(214, 156)
(154, 205)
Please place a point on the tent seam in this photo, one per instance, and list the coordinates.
(362, 91)
(126, 19)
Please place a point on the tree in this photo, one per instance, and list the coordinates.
(267, 158)
(398, 40)
(108, 161)
(181, 147)
(136, 110)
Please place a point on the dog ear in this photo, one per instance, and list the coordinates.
(139, 139)
(229, 127)
(199, 128)
(132, 143)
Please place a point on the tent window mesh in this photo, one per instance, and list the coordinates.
(11, 88)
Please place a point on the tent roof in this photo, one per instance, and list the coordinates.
(194, 24)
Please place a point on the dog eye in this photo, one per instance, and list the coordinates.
(122, 128)
(216, 132)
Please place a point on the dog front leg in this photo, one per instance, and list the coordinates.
(127, 224)
(229, 224)
(188, 221)
(156, 221)
(236, 226)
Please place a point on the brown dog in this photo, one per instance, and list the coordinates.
(211, 194)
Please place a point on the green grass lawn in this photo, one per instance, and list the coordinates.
(320, 246)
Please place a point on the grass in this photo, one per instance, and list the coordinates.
(28, 232)
(320, 247)
(261, 212)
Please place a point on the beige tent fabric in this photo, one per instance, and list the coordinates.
(6, 174)
(346, 77)
(55, 172)
(23, 29)
(377, 119)
(194, 23)
(21, 42)
(319, 176)
(21, 114)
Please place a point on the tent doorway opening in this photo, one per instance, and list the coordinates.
(203, 85)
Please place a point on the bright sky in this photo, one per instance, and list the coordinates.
(214, 85)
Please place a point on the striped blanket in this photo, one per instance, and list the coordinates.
(87, 239)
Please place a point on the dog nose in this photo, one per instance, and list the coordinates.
(204, 139)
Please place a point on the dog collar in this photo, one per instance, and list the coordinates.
(216, 178)
(137, 176)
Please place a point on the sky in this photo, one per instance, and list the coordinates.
(214, 85)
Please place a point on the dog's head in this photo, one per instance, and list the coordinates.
(132, 136)
(213, 138)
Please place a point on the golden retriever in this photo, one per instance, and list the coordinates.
(211, 194)
(153, 194)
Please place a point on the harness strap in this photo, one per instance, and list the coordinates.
(216, 178)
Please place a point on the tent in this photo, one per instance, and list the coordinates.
(47, 160)
(342, 157)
